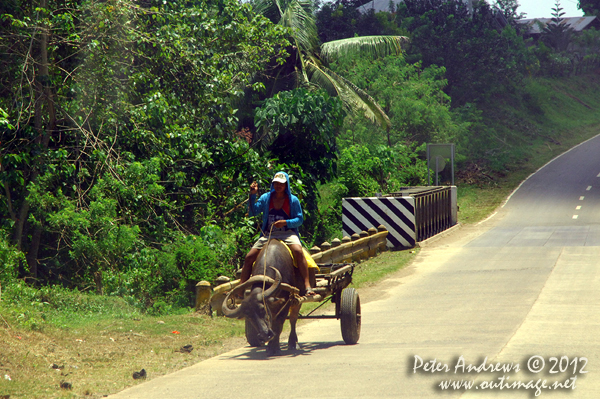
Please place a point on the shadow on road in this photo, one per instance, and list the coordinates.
(261, 353)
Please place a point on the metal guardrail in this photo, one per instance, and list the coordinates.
(433, 209)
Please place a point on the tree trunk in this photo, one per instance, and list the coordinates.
(44, 97)
(21, 218)
(32, 261)
(46, 84)
(98, 282)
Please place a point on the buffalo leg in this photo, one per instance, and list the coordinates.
(293, 340)
(273, 346)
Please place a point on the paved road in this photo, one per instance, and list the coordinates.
(524, 283)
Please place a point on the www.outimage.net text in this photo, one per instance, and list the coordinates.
(559, 373)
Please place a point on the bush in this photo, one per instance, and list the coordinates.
(330, 211)
(10, 260)
(412, 97)
(384, 170)
(152, 276)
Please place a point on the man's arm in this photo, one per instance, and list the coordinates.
(296, 218)
(253, 209)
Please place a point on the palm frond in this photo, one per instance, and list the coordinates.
(353, 97)
(298, 18)
(294, 14)
(268, 8)
(373, 46)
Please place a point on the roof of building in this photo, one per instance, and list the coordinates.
(378, 5)
(536, 25)
(384, 5)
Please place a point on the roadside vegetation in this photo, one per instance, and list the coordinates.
(130, 132)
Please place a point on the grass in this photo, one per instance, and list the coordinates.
(476, 202)
(96, 351)
(529, 131)
(369, 273)
(53, 336)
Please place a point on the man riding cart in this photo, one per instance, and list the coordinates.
(275, 279)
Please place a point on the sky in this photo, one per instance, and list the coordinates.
(543, 8)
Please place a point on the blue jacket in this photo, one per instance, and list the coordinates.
(256, 207)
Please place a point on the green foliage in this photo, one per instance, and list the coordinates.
(341, 19)
(365, 173)
(124, 141)
(509, 9)
(589, 7)
(562, 52)
(412, 96)
(299, 128)
(124, 165)
(505, 130)
(480, 58)
(36, 308)
(336, 20)
(195, 260)
(383, 170)
(557, 34)
(4, 122)
(308, 64)
(330, 211)
(557, 65)
(11, 260)
(356, 165)
(588, 41)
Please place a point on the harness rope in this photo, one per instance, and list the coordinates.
(292, 296)
(268, 310)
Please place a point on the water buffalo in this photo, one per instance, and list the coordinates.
(266, 307)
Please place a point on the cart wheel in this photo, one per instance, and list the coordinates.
(252, 336)
(350, 316)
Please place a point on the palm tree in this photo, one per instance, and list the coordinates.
(307, 65)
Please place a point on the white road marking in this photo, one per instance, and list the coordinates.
(575, 216)
(548, 163)
(579, 207)
(581, 198)
(588, 188)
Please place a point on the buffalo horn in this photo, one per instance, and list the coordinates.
(234, 312)
(274, 286)
(227, 311)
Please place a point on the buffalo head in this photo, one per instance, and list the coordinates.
(255, 307)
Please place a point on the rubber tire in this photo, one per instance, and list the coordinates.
(350, 318)
(252, 336)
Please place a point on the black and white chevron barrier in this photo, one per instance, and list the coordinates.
(397, 214)
(411, 215)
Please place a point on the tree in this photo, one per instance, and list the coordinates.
(335, 21)
(589, 7)
(480, 58)
(509, 11)
(120, 126)
(303, 126)
(557, 34)
(307, 64)
(412, 96)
